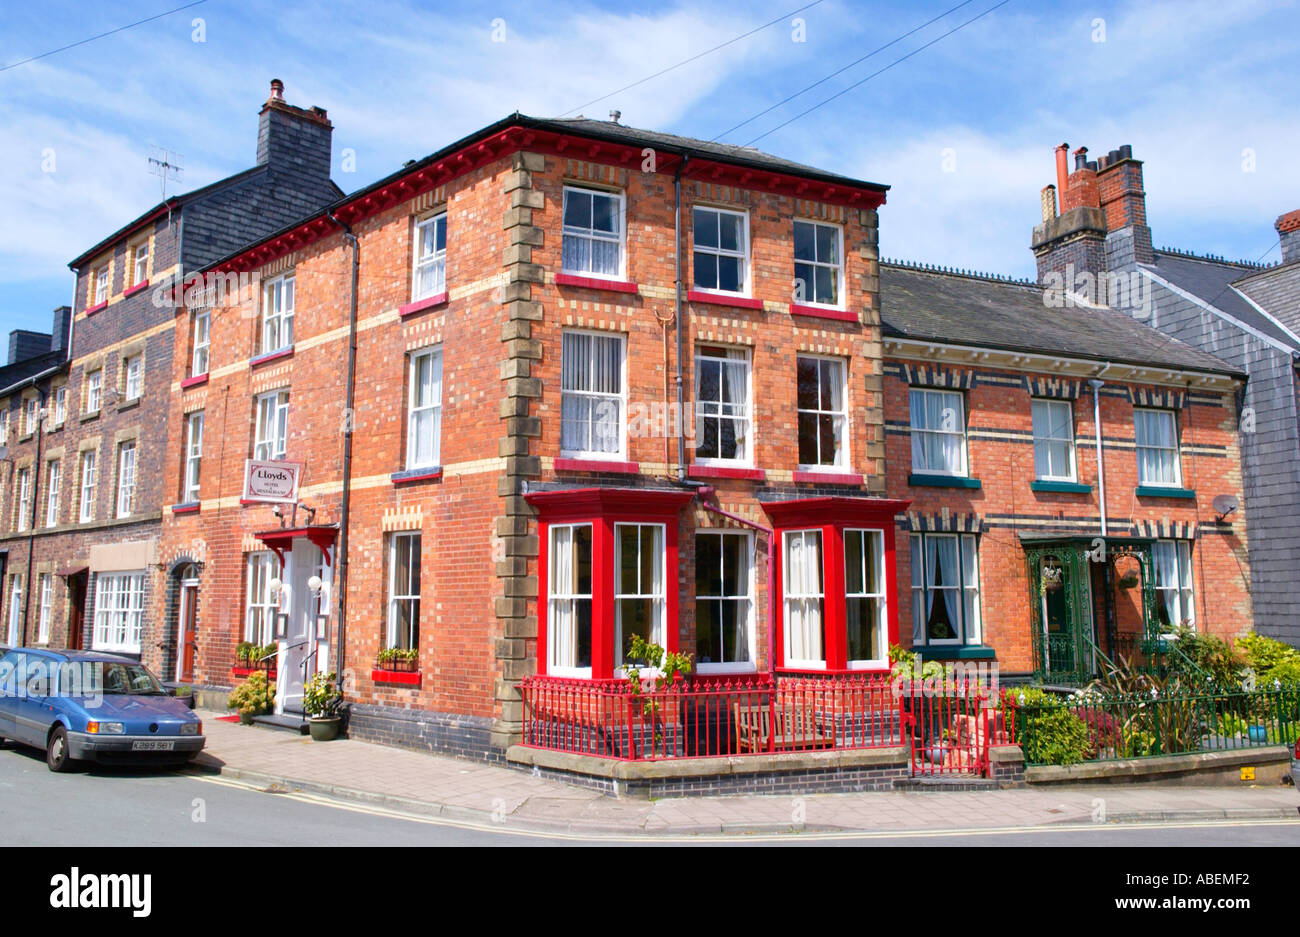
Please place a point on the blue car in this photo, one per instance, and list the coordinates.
(84, 705)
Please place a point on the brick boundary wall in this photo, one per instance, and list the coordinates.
(820, 781)
(445, 733)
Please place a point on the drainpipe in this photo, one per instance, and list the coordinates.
(31, 526)
(1096, 384)
(771, 572)
(677, 260)
(341, 554)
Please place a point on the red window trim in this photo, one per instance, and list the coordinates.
(410, 309)
(695, 470)
(723, 299)
(597, 465)
(409, 678)
(194, 381)
(270, 356)
(99, 307)
(596, 283)
(828, 478)
(603, 508)
(832, 515)
(821, 312)
(131, 291)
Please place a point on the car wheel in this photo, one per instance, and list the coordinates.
(56, 751)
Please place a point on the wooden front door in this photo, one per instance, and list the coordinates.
(186, 638)
(76, 609)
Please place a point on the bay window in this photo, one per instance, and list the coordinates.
(430, 277)
(822, 413)
(865, 598)
(639, 596)
(720, 245)
(818, 263)
(569, 611)
(593, 233)
(938, 427)
(424, 412)
(724, 603)
(404, 591)
(805, 596)
(119, 611)
(945, 589)
(1053, 440)
(591, 395)
(1175, 606)
(1156, 436)
(722, 405)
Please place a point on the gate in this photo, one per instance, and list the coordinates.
(950, 726)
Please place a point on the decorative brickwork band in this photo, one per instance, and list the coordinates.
(1059, 387)
(1165, 529)
(1166, 398)
(933, 375)
(943, 522)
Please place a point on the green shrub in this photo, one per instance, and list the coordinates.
(1209, 656)
(1271, 660)
(321, 696)
(1050, 733)
(252, 697)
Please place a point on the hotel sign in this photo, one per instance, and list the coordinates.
(271, 482)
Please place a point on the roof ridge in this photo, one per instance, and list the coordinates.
(1212, 258)
(955, 271)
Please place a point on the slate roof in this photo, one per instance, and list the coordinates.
(22, 371)
(1211, 282)
(987, 313)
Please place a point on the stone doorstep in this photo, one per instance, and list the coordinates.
(723, 766)
(1159, 765)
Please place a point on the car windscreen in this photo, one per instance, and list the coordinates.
(97, 678)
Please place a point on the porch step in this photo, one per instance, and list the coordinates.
(946, 783)
(289, 721)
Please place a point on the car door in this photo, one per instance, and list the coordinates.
(32, 710)
(8, 694)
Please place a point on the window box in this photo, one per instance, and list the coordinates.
(827, 478)
(416, 475)
(270, 356)
(98, 307)
(1157, 491)
(823, 312)
(398, 666)
(238, 671)
(188, 507)
(597, 465)
(724, 299)
(135, 289)
(410, 309)
(695, 470)
(596, 283)
(1061, 487)
(942, 481)
(194, 381)
(395, 676)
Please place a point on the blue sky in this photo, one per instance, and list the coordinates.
(963, 130)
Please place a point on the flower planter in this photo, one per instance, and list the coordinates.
(324, 730)
(246, 718)
(1258, 733)
(398, 666)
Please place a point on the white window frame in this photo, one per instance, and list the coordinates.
(720, 412)
(88, 479)
(803, 594)
(60, 404)
(927, 392)
(876, 536)
(277, 315)
(53, 484)
(101, 285)
(260, 610)
(429, 410)
(720, 251)
(4, 425)
(556, 598)
(23, 482)
(271, 425)
(15, 609)
(593, 234)
(968, 632)
(751, 640)
(837, 266)
(119, 612)
(644, 591)
(94, 390)
(1176, 450)
(134, 384)
(396, 598)
(31, 415)
(46, 596)
(435, 261)
(1049, 404)
(601, 399)
(1184, 587)
(841, 463)
(193, 456)
(139, 271)
(202, 342)
(127, 452)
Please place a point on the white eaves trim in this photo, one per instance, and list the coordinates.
(1197, 301)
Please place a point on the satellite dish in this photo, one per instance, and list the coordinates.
(1225, 504)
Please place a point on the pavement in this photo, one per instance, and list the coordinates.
(454, 789)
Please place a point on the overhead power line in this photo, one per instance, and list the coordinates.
(82, 42)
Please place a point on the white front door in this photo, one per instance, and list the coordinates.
(298, 605)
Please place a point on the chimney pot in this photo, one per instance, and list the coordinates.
(1081, 157)
(277, 90)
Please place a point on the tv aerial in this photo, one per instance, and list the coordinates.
(165, 164)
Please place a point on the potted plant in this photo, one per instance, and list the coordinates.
(401, 660)
(244, 652)
(320, 701)
(251, 698)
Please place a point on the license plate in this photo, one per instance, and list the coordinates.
(152, 746)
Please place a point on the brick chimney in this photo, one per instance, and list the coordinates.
(62, 327)
(1076, 238)
(1288, 232)
(1119, 182)
(293, 138)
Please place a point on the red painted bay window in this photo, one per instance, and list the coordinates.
(836, 607)
(607, 569)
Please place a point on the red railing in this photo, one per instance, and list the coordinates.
(952, 727)
(711, 717)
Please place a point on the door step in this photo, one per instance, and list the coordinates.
(291, 722)
(947, 783)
